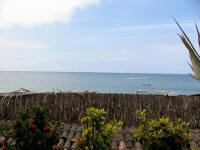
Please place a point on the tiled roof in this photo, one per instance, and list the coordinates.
(73, 131)
(124, 140)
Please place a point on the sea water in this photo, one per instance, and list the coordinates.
(182, 84)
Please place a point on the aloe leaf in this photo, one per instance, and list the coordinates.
(194, 56)
(184, 34)
(195, 77)
(195, 69)
(198, 35)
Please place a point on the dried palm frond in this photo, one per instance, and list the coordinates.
(194, 56)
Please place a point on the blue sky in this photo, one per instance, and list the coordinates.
(137, 36)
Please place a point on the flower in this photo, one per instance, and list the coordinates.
(178, 140)
(4, 148)
(33, 126)
(2, 139)
(81, 143)
(47, 128)
(111, 148)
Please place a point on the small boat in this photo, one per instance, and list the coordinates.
(146, 84)
(160, 91)
(142, 91)
(133, 78)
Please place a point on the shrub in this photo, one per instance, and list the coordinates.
(4, 132)
(33, 131)
(162, 134)
(97, 135)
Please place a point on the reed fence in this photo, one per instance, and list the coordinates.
(71, 107)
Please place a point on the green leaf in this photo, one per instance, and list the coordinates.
(194, 56)
(198, 35)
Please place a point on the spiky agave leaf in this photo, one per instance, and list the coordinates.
(194, 56)
(198, 35)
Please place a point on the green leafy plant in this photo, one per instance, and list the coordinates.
(162, 134)
(97, 135)
(194, 56)
(4, 132)
(4, 128)
(33, 131)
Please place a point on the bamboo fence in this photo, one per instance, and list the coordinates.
(71, 107)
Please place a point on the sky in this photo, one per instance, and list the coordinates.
(130, 36)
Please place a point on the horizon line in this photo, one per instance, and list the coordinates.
(96, 72)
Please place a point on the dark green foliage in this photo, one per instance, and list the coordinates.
(33, 131)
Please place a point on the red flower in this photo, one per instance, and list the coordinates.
(111, 148)
(178, 140)
(47, 128)
(81, 143)
(4, 148)
(33, 126)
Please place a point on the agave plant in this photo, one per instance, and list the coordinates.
(194, 56)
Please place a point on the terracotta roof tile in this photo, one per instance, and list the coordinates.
(122, 145)
(121, 137)
(67, 144)
(61, 142)
(129, 137)
(71, 135)
(74, 127)
(129, 144)
(78, 134)
(64, 135)
(74, 146)
(114, 145)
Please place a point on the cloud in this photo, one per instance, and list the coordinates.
(30, 13)
(8, 63)
(5, 43)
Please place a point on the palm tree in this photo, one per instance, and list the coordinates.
(194, 56)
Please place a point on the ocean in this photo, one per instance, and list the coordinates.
(182, 84)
